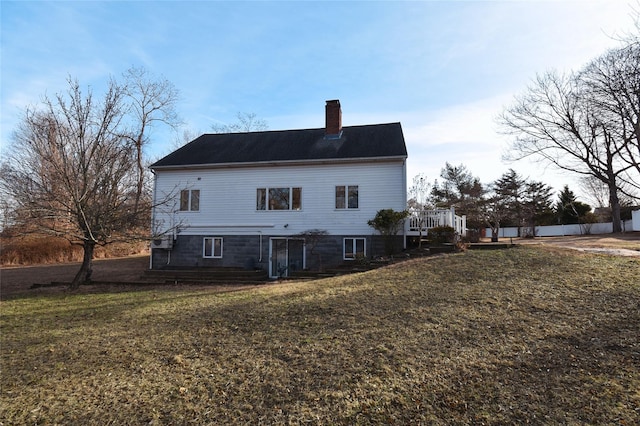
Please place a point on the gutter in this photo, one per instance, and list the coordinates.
(272, 163)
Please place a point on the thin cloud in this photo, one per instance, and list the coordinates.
(442, 69)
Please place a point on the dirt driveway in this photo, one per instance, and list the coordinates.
(17, 281)
(626, 244)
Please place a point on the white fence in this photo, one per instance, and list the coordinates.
(427, 219)
(562, 230)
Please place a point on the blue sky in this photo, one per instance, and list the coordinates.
(444, 69)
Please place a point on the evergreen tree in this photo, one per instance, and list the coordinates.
(459, 189)
(568, 209)
(510, 189)
(537, 206)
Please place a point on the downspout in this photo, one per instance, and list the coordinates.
(404, 185)
(260, 253)
(174, 235)
(153, 214)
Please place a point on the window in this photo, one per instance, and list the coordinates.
(354, 248)
(261, 202)
(296, 198)
(347, 197)
(190, 200)
(212, 247)
(279, 199)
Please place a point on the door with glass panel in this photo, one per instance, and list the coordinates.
(287, 256)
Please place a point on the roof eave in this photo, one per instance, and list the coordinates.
(281, 163)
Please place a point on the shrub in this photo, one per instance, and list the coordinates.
(442, 235)
(388, 222)
(473, 236)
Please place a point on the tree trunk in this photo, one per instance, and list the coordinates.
(532, 226)
(140, 185)
(615, 208)
(84, 274)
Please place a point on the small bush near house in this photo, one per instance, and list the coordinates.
(442, 235)
(388, 222)
(473, 236)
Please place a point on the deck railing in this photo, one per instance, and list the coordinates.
(422, 221)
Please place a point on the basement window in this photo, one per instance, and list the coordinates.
(212, 247)
(354, 248)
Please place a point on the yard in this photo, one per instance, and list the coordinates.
(532, 334)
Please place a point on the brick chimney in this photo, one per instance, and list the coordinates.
(333, 115)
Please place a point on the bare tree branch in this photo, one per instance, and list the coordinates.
(585, 123)
(247, 122)
(74, 167)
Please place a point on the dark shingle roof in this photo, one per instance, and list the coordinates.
(370, 141)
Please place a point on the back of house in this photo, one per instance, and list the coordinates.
(278, 200)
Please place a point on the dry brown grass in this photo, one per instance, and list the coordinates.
(526, 335)
(626, 241)
(36, 249)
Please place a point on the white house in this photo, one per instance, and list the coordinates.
(244, 199)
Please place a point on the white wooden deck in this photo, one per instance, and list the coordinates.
(419, 222)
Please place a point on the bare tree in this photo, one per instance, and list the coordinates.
(312, 239)
(183, 138)
(555, 122)
(493, 209)
(149, 102)
(595, 190)
(7, 210)
(612, 85)
(419, 201)
(73, 169)
(247, 122)
(586, 122)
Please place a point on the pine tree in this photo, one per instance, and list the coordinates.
(569, 209)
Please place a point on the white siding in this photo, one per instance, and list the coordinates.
(228, 198)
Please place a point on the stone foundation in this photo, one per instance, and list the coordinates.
(247, 252)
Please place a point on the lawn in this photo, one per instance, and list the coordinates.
(526, 335)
